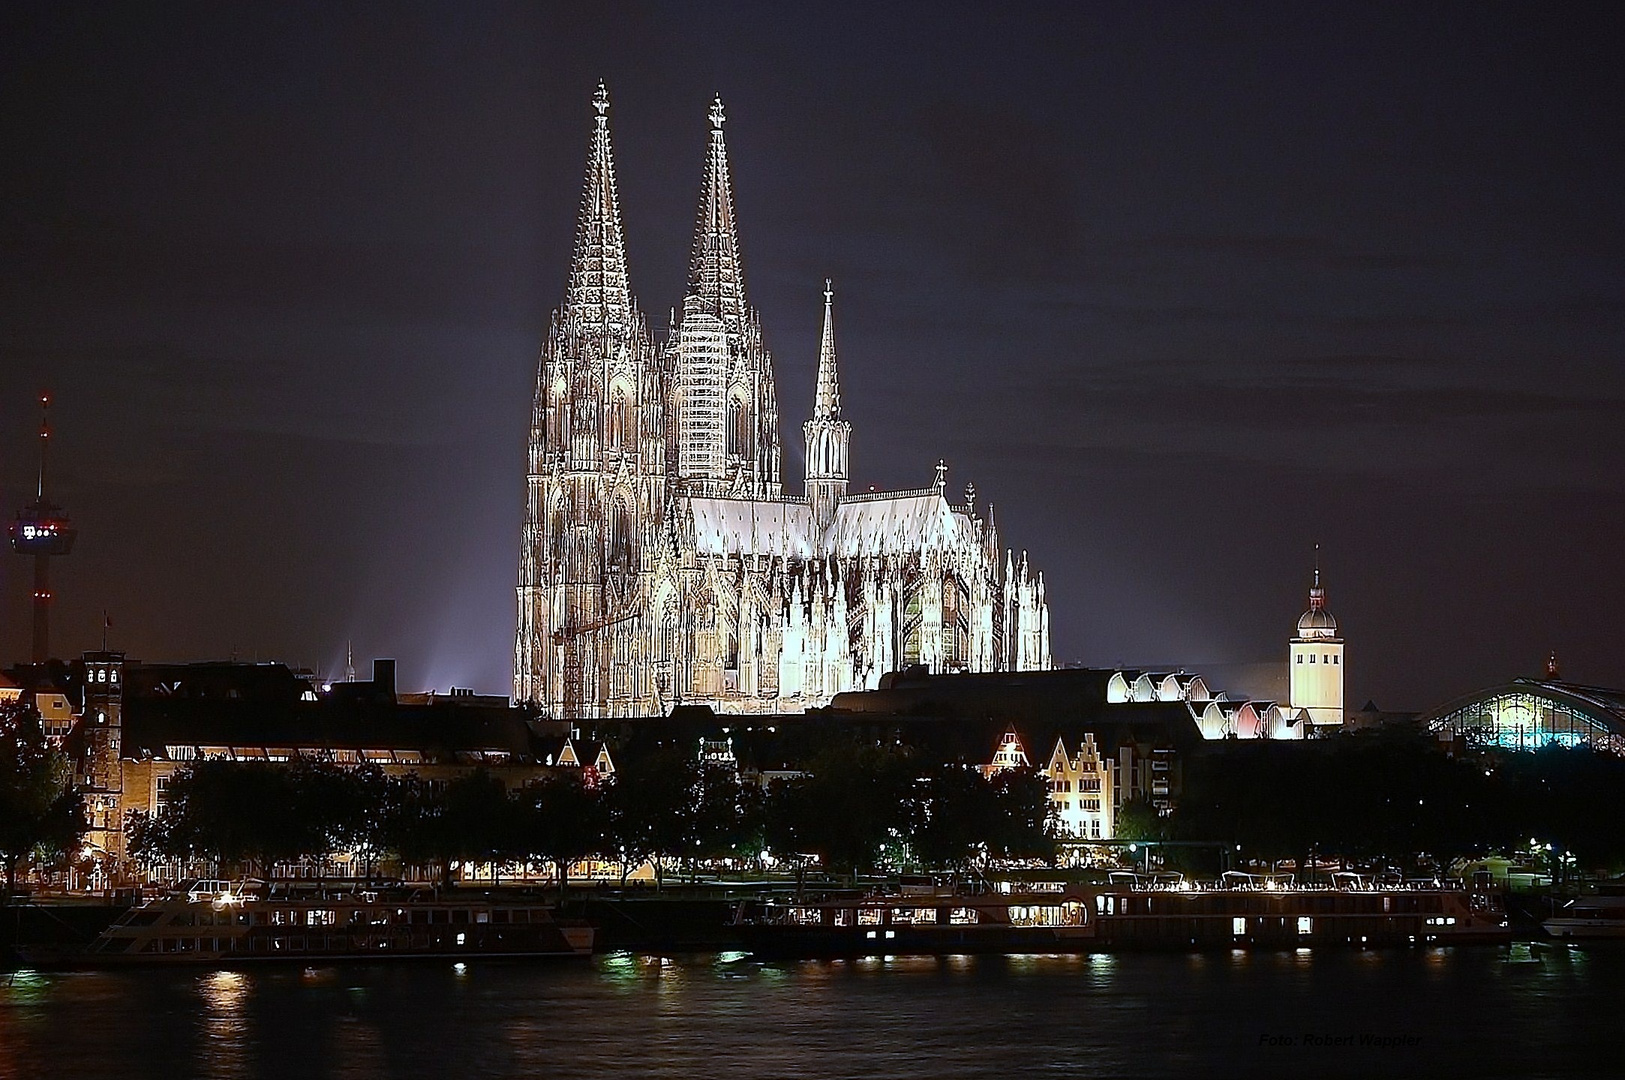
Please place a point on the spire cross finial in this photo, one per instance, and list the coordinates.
(600, 99)
(829, 292)
(1317, 566)
(716, 114)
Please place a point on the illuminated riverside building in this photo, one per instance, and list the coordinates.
(1081, 786)
(662, 562)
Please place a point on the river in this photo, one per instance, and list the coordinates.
(1445, 1012)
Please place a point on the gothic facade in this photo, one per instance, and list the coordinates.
(662, 562)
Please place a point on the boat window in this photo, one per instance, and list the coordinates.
(439, 915)
(916, 915)
(805, 916)
(869, 916)
(459, 915)
(1038, 915)
(963, 916)
(843, 916)
(499, 916)
(521, 916)
(482, 916)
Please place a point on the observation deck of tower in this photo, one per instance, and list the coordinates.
(42, 529)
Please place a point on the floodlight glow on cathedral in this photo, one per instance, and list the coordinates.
(662, 561)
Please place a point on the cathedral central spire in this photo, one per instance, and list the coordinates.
(715, 276)
(827, 405)
(827, 434)
(599, 292)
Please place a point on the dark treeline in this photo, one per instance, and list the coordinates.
(856, 809)
(1398, 794)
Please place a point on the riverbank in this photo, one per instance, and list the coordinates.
(679, 919)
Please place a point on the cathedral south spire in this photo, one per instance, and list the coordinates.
(827, 434)
(723, 402)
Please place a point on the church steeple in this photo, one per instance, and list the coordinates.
(723, 401)
(715, 276)
(827, 434)
(827, 405)
(599, 292)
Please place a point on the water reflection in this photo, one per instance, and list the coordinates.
(1169, 1014)
(225, 1047)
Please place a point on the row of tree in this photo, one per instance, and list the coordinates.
(856, 809)
(1399, 793)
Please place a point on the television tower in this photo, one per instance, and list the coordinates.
(42, 529)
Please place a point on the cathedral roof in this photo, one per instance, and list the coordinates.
(753, 527)
(898, 524)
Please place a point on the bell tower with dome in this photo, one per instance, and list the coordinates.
(1316, 660)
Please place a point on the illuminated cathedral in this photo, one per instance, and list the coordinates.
(662, 562)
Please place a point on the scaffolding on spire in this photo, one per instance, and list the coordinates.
(715, 275)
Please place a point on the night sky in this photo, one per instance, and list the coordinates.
(1182, 289)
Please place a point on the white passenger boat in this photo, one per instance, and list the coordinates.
(217, 922)
(1589, 917)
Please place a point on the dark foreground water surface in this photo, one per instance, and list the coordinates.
(1470, 1012)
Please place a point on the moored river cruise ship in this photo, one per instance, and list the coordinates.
(218, 922)
(1042, 918)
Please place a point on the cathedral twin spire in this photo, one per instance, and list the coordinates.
(715, 277)
(724, 407)
(600, 292)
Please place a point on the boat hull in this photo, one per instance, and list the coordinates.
(1585, 929)
(833, 942)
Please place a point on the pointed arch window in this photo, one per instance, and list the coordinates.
(623, 427)
(739, 433)
(558, 433)
(622, 545)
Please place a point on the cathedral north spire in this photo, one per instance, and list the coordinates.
(599, 291)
